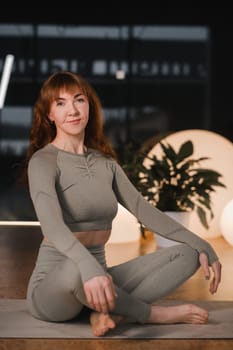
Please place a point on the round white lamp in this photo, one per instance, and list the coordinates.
(226, 222)
(125, 227)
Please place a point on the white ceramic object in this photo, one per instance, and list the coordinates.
(180, 216)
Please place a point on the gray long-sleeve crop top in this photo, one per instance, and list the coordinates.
(79, 192)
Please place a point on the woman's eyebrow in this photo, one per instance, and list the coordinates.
(63, 98)
(79, 94)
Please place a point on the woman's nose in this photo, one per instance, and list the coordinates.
(73, 108)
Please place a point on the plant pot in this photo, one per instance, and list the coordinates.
(183, 218)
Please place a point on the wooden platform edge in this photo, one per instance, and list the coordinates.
(115, 344)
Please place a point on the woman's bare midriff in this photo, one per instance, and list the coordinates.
(91, 238)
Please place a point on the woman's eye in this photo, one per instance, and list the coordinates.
(80, 100)
(60, 103)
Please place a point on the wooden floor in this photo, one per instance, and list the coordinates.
(18, 250)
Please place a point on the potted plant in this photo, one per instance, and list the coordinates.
(175, 181)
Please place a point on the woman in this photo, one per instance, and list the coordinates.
(75, 184)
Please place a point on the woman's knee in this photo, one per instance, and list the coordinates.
(190, 255)
(55, 299)
(69, 276)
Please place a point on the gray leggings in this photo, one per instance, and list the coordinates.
(55, 291)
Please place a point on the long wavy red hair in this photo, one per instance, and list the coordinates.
(43, 132)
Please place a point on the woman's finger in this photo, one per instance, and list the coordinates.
(114, 293)
(216, 267)
(89, 297)
(102, 302)
(204, 264)
(110, 298)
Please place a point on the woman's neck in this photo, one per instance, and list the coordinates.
(77, 147)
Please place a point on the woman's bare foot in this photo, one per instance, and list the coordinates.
(102, 323)
(186, 313)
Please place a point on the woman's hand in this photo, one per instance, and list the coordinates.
(216, 269)
(100, 293)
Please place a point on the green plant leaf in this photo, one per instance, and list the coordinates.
(185, 151)
(202, 216)
(169, 152)
(175, 180)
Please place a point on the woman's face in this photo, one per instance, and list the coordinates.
(70, 113)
